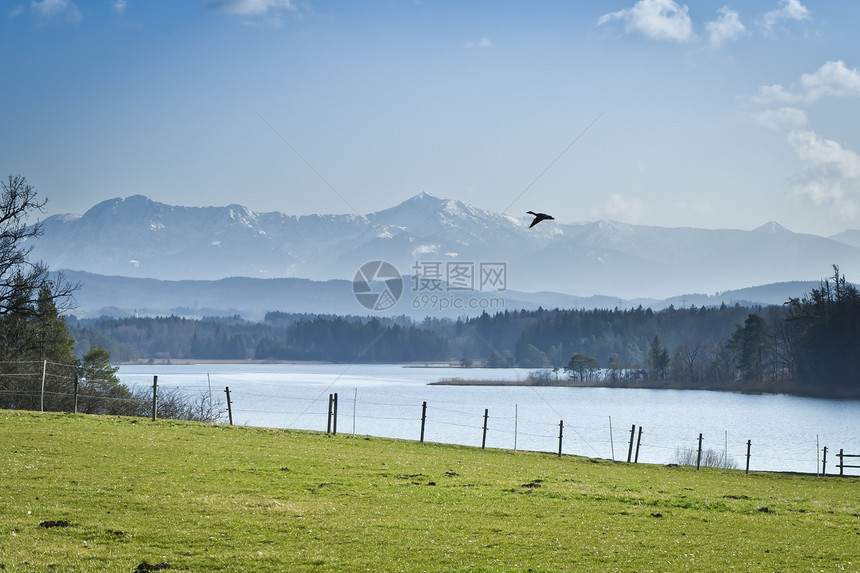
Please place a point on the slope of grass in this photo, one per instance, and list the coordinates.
(121, 494)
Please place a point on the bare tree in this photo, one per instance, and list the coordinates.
(686, 365)
(23, 280)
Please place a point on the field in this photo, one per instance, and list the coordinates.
(82, 493)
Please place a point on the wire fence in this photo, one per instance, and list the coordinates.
(49, 386)
(374, 412)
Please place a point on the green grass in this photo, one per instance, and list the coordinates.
(195, 497)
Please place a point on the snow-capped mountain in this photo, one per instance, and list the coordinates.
(138, 237)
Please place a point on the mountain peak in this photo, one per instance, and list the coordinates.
(771, 228)
(422, 204)
(423, 198)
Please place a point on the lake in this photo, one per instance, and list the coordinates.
(787, 433)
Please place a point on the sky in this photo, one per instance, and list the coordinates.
(722, 114)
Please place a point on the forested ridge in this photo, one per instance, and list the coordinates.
(809, 345)
(280, 336)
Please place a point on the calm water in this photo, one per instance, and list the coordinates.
(787, 432)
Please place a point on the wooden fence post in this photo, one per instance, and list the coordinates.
(486, 416)
(560, 433)
(154, 398)
(516, 424)
(44, 372)
(229, 405)
(630, 448)
(841, 457)
(611, 442)
(638, 441)
(423, 419)
(334, 416)
(824, 462)
(699, 456)
(328, 414)
(749, 445)
(76, 393)
(354, 407)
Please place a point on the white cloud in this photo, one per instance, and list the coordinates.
(833, 79)
(655, 19)
(783, 117)
(788, 10)
(794, 10)
(776, 93)
(119, 6)
(831, 174)
(482, 43)
(251, 7)
(727, 27)
(825, 154)
(57, 10)
(626, 211)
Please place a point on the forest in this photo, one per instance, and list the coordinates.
(281, 336)
(809, 345)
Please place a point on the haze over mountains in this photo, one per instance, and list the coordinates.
(139, 238)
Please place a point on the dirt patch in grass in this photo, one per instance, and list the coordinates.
(153, 567)
(57, 523)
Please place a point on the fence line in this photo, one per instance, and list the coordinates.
(842, 465)
(550, 434)
(499, 426)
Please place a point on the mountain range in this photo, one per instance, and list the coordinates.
(136, 237)
(252, 298)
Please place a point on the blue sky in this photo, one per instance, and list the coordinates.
(708, 114)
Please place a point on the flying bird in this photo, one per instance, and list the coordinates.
(539, 217)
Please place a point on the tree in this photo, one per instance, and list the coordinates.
(615, 367)
(101, 390)
(686, 364)
(498, 360)
(55, 344)
(658, 360)
(823, 332)
(23, 281)
(582, 367)
(533, 357)
(31, 328)
(749, 344)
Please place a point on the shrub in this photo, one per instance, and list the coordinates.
(710, 458)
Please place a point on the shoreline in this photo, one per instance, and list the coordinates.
(193, 361)
(456, 381)
(598, 384)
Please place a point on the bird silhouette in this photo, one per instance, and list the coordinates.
(539, 217)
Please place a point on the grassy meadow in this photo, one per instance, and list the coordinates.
(83, 493)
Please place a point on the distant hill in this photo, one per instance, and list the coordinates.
(849, 237)
(137, 237)
(251, 298)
